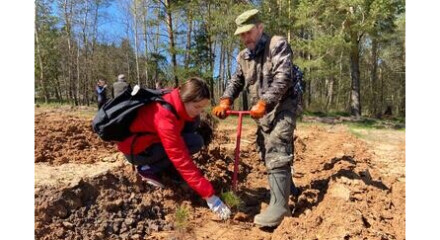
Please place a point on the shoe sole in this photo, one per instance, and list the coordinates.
(271, 224)
(267, 224)
(153, 182)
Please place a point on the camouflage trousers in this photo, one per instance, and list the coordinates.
(275, 140)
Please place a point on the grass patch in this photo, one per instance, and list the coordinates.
(364, 124)
(232, 200)
(233, 120)
(358, 132)
(300, 124)
(80, 111)
(326, 114)
(371, 123)
(396, 123)
(51, 105)
(51, 101)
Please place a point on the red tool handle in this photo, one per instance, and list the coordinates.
(237, 145)
(232, 112)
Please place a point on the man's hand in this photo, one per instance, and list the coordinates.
(218, 207)
(259, 109)
(220, 110)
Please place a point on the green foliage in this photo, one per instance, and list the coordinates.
(231, 200)
(182, 217)
(47, 56)
(369, 123)
(323, 35)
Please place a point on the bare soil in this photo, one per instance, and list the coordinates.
(351, 187)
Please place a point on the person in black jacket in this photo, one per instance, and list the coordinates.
(101, 88)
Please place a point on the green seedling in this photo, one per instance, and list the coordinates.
(182, 216)
(232, 200)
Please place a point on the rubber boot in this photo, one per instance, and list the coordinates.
(294, 190)
(280, 181)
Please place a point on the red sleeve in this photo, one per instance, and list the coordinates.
(179, 155)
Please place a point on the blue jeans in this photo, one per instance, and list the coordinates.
(156, 156)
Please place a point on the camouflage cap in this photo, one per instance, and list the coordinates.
(246, 21)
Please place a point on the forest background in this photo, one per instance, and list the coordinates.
(352, 52)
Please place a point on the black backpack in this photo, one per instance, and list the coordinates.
(299, 85)
(113, 120)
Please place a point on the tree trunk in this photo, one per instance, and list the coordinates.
(169, 22)
(309, 86)
(67, 13)
(228, 64)
(135, 20)
(289, 16)
(373, 76)
(188, 39)
(84, 79)
(211, 69)
(382, 97)
(58, 92)
(210, 46)
(92, 72)
(221, 69)
(144, 21)
(67, 30)
(403, 102)
(78, 76)
(40, 61)
(330, 86)
(355, 77)
(155, 50)
(340, 82)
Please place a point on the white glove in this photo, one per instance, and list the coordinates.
(218, 207)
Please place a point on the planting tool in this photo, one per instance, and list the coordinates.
(237, 145)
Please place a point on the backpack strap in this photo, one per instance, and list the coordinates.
(169, 107)
(269, 45)
(166, 105)
(295, 71)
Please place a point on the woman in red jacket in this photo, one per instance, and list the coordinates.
(170, 144)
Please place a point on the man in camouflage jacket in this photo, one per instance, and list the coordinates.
(264, 70)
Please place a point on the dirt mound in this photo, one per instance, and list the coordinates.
(63, 138)
(344, 193)
(112, 205)
(342, 196)
(118, 205)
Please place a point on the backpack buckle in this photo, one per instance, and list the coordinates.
(135, 90)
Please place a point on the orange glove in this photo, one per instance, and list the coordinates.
(259, 109)
(220, 110)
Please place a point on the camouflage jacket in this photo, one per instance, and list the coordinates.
(119, 87)
(265, 74)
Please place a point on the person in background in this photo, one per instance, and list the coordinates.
(159, 85)
(120, 85)
(101, 91)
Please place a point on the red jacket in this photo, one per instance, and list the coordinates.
(166, 129)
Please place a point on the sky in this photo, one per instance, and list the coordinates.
(112, 28)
